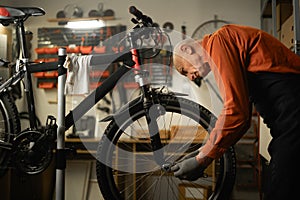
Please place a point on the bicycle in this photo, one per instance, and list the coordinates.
(155, 113)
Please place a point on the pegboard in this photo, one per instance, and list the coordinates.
(91, 37)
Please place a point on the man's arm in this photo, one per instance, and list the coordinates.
(230, 74)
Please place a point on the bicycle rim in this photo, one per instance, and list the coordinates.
(126, 168)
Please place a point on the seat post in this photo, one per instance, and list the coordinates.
(23, 56)
(21, 38)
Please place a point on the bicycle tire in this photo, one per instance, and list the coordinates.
(111, 175)
(9, 127)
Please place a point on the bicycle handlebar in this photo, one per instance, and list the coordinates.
(146, 20)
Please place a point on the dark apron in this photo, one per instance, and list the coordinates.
(277, 99)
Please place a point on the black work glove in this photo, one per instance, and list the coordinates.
(188, 169)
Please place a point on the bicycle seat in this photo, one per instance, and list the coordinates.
(9, 14)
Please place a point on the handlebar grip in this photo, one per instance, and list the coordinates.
(140, 16)
(133, 10)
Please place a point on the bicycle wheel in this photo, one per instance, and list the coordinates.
(125, 165)
(9, 126)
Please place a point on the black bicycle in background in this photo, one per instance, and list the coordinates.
(169, 124)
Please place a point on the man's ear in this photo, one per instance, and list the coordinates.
(186, 49)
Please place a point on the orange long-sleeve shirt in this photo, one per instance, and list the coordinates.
(236, 50)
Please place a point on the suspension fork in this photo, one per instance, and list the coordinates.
(152, 110)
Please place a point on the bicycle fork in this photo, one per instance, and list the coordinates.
(153, 111)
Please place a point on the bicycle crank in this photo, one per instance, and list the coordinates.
(31, 153)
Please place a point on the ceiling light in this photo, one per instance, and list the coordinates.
(85, 24)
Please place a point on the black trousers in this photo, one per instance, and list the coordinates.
(277, 99)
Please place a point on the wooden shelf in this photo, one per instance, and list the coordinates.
(107, 18)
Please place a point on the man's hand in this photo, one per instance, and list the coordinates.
(188, 169)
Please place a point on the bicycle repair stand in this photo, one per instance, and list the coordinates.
(60, 150)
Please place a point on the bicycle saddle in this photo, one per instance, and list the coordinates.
(9, 14)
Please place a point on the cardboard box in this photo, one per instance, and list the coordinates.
(189, 191)
(246, 150)
(287, 32)
(246, 176)
(283, 11)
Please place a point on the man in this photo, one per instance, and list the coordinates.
(250, 66)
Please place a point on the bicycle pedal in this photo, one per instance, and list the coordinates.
(51, 120)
